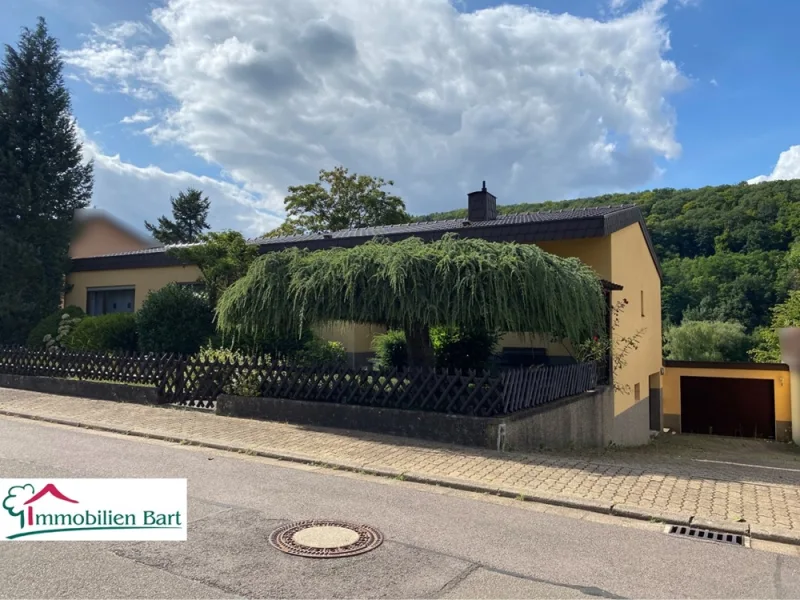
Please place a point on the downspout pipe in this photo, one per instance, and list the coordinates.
(790, 354)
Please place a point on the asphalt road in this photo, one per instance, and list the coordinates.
(438, 543)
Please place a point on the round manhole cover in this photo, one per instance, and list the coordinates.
(325, 539)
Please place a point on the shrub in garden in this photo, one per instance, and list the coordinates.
(242, 381)
(49, 326)
(113, 332)
(318, 351)
(174, 319)
(452, 348)
(391, 350)
(458, 349)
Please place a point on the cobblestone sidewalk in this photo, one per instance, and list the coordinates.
(741, 485)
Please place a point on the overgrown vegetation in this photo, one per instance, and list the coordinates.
(728, 251)
(413, 286)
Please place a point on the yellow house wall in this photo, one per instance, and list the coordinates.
(98, 236)
(143, 280)
(355, 337)
(595, 252)
(632, 267)
(671, 389)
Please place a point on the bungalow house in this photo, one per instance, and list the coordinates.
(612, 240)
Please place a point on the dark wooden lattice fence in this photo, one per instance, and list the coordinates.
(192, 381)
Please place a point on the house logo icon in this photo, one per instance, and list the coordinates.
(19, 502)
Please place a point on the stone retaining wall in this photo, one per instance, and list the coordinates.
(119, 392)
(580, 421)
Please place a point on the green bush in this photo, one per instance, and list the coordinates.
(113, 332)
(391, 351)
(458, 349)
(452, 348)
(174, 319)
(318, 351)
(49, 326)
(707, 341)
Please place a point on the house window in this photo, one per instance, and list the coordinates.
(641, 300)
(102, 301)
(637, 393)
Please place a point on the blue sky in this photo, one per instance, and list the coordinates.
(221, 95)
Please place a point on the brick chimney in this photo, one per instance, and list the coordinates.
(481, 205)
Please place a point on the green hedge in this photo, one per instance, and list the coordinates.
(113, 332)
(49, 326)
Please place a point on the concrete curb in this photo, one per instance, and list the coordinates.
(620, 510)
(726, 526)
(782, 536)
(646, 514)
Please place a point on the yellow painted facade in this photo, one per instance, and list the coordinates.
(632, 267)
(671, 387)
(355, 337)
(142, 280)
(623, 258)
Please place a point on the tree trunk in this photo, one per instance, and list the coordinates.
(420, 350)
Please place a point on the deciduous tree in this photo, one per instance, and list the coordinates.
(340, 200)
(221, 257)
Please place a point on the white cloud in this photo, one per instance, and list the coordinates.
(136, 194)
(788, 167)
(141, 116)
(539, 105)
(714, 83)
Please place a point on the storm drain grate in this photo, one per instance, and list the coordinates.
(706, 535)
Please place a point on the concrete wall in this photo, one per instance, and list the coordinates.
(777, 373)
(119, 392)
(98, 236)
(580, 421)
(142, 280)
(584, 421)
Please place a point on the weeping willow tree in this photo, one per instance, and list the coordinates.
(413, 286)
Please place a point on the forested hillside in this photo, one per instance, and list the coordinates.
(725, 251)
